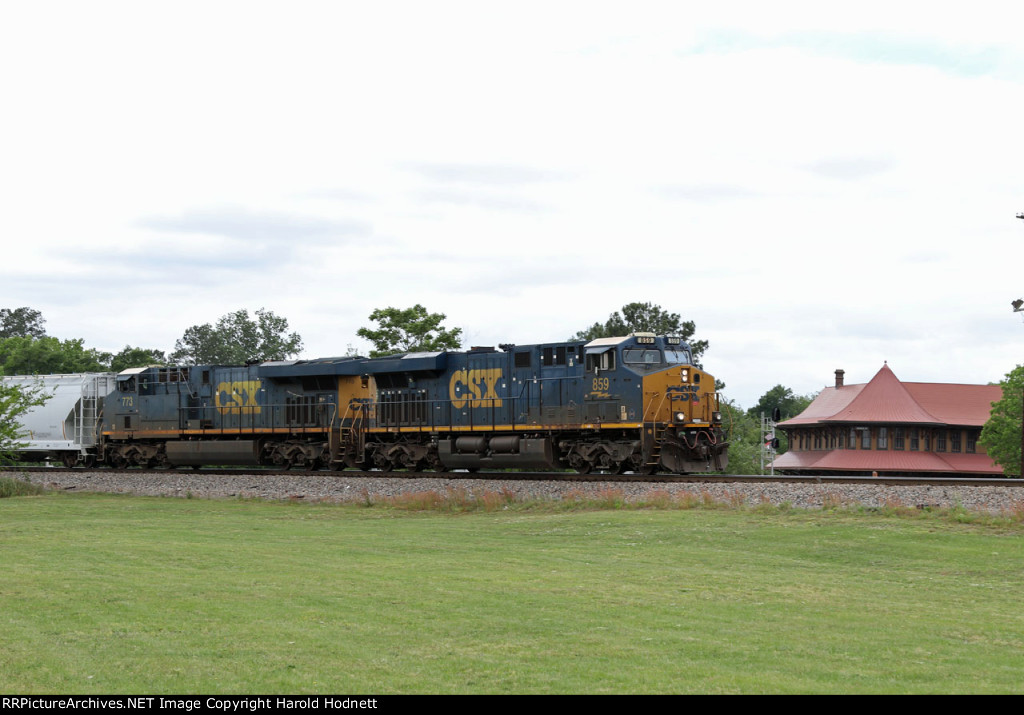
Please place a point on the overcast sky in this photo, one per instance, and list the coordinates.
(818, 185)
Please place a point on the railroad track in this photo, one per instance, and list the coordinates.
(629, 478)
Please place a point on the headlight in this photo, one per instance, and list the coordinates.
(680, 417)
(716, 416)
(684, 374)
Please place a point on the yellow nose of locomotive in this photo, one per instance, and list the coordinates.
(683, 420)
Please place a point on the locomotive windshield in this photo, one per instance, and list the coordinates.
(653, 356)
(678, 356)
(641, 356)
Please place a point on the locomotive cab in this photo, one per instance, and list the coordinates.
(653, 381)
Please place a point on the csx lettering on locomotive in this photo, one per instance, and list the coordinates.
(238, 397)
(481, 384)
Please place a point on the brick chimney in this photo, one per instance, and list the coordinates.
(839, 377)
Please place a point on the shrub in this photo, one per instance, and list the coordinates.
(18, 488)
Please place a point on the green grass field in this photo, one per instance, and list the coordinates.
(107, 594)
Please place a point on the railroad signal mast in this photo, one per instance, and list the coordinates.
(769, 442)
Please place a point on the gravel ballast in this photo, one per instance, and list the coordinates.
(336, 488)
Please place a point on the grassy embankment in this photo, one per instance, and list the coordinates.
(105, 594)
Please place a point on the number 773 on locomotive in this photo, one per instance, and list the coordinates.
(634, 403)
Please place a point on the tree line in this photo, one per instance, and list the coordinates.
(236, 338)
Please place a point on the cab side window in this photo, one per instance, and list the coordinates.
(601, 361)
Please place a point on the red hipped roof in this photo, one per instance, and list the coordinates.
(886, 400)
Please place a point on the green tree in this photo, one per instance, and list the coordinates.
(789, 404)
(744, 435)
(237, 339)
(409, 330)
(21, 323)
(15, 401)
(645, 318)
(1001, 435)
(137, 357)
(46, 355)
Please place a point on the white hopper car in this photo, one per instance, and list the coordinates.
(64, 427)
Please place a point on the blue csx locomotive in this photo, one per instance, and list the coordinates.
(635, 403)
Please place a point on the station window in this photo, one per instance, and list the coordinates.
(897, 438)
(883, 438)
(954, 441)
(940, 441)
(914, 441)
(865, 438)
(972, 442)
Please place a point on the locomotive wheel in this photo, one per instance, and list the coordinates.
(581, 464)
(278, 457)
(363, 465)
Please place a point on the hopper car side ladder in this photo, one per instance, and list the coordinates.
(88, 410)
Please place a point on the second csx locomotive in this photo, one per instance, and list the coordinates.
(635, 403)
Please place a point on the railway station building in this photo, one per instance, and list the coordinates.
(889, 428)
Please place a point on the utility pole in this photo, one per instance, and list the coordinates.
(1018, 306)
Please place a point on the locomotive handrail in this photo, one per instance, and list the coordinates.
(651, 404)
(431, 424)
(323, 418)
